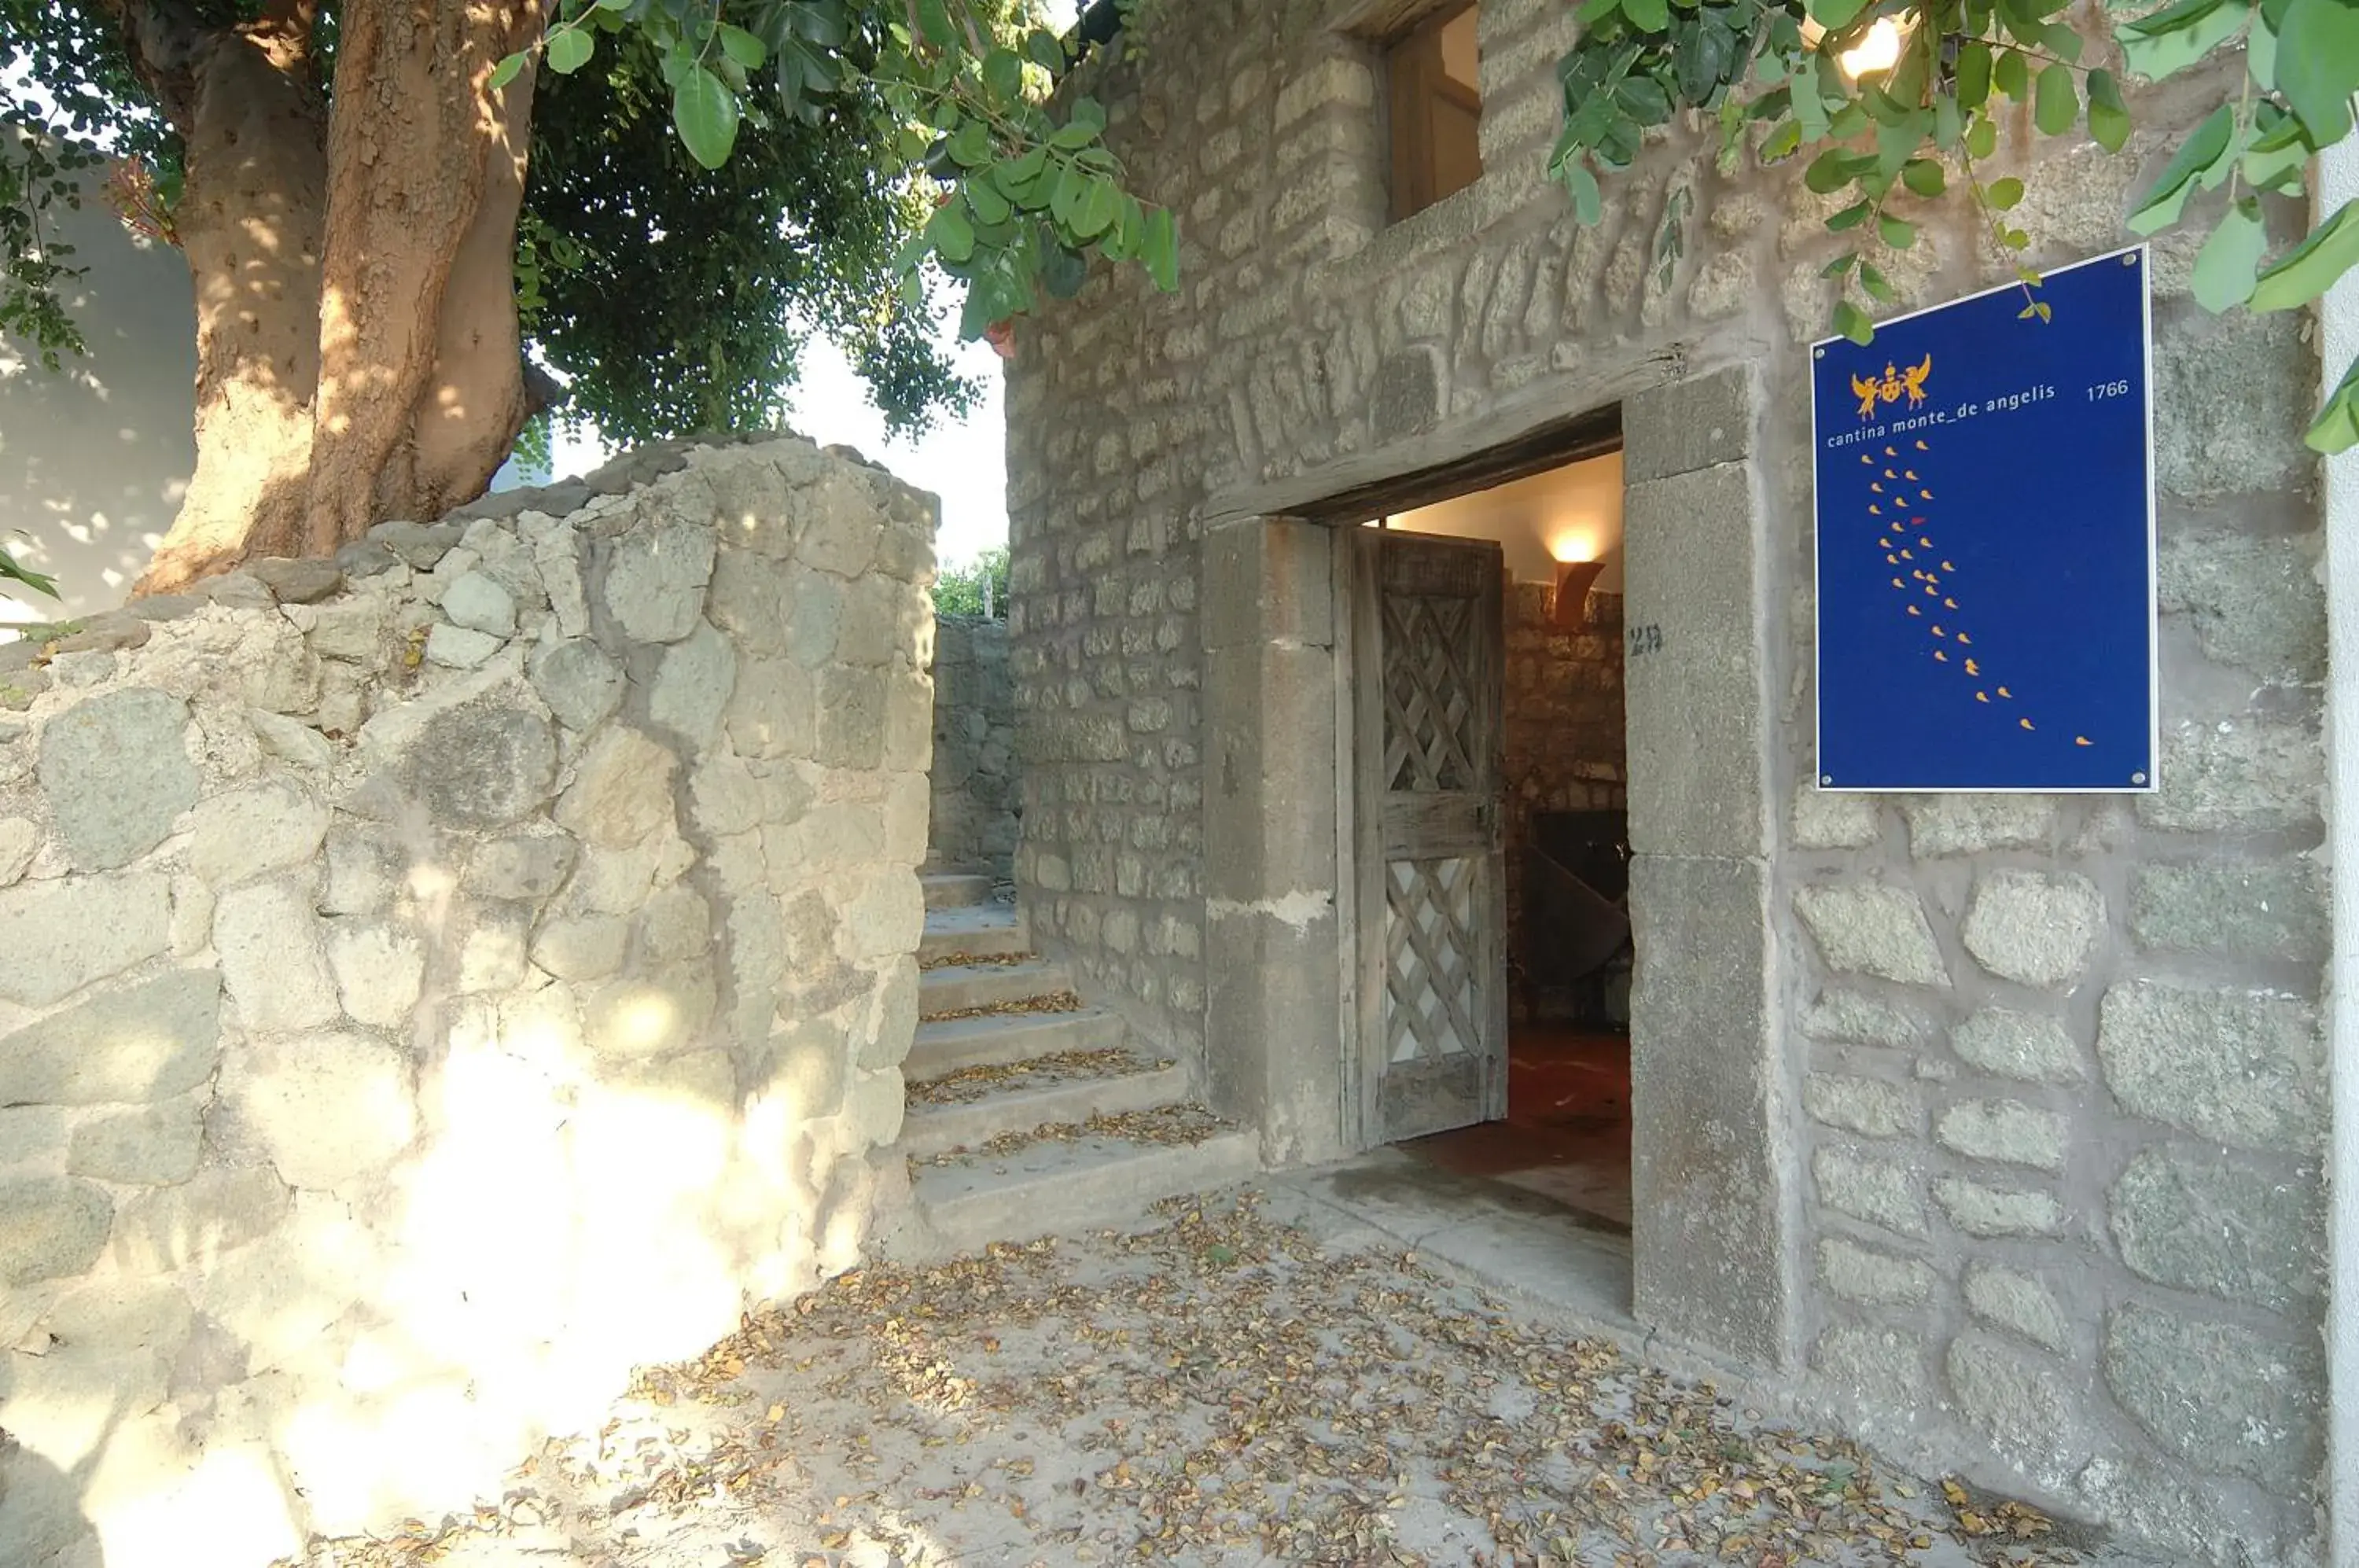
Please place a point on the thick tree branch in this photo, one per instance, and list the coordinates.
(162, 39)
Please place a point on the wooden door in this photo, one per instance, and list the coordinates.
(1428, 652)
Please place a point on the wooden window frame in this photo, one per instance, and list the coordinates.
(1413, 82)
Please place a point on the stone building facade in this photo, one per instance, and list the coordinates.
(1992, 1125)
(976, 814)
(440, 982)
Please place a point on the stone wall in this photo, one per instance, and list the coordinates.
(440, 982)
(975, 813)
(2040, 1194)
(1563, 746)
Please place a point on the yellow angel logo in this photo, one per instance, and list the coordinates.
(1893, 386)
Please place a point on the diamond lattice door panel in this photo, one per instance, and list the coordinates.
(1427, 655)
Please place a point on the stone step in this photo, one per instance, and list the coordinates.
(955, 889)
(997, 1039)
(985, 930)
(1080, 1179)
(1033, 1094)
(956, 987)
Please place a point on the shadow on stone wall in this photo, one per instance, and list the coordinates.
(440, 982)
(976, 811)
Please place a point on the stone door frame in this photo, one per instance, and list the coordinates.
(1714, 1187)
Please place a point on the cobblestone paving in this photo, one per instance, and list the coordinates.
(1223, 1388)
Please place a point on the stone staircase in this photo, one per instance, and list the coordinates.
(1030, 1112)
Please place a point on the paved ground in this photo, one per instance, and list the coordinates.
(1228, 1388)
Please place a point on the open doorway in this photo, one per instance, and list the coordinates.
(1561, 965)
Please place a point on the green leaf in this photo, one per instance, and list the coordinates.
(991, 208)
(1782, 143)
(1973, 75)
(1046, 50)
(951, 232)
(970, 145)
(2109, 118)
(1002, 73)
(2224, 267)
(1073, 185)
(706, 114)
(1098, 208)
(570, 49)
(1160, 249)
(1982, 138)
(2311, 268)
(507, 70)
(2277, 156)
(2177, 36)
(2003, 194)
(1839, 264)
(2058, 101)
(1588, 201)
(2318, 65)
(935, 25)
(1829, 171)
(1898, 233)
(1924, 176)
(1853, 323)
(1879, 288)
(2205, 146)
(2011, 75)
(2336, 429)
(743, 47)
(1647, 15)
(1851, 217)
(1595, 11)
(1834, 16)
(1949, 124)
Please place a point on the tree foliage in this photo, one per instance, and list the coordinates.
(1923, 99)
(977, 587)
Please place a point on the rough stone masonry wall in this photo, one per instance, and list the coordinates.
(435, 986)
(2045, 1092)
(976, 815)
(1563, 746)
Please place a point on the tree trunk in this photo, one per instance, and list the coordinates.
(425, 169)
(358, 353)
(249, 221)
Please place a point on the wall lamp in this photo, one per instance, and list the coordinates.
(1573, 581)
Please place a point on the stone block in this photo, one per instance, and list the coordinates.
(2256, 604)
(2232, 394)
(2269, 909)
(1824, 819)
(661, 1013)
(894, 1017)
(150, 1041)
(380, 970)
(1713, 1172)
(1847, 1017)
(873, 1106)
(1875, 1190)
(2007, 1131)
(2222, 1226)
(109, 815)
(60, 936)
(886, 918)
(1269, 819)
(1872, 929)
(850, 732)
(2242, 1067)
(582, 685)
(251, 833)
(2019, 1303)
(1986, 1211)
(1694, 700)
(522, 866)
(479, 763)
(364, 867)
(584, 947)
(2034, 928)
(2248, 774)
(1868, 1106)
(50, 1227)
(2223, 1398)
(279, 1296)
(1410, 391)
(190, 1226)
(19, 839)
(1685, 426)
(493, 939)
(655, 580)
(352, 630)
(325, 1110)
(2018, 1403)
(621, 792)
(1942, 825)
(692, 686)
(480, 602)
(1877, 1278)
(271, 959)
(31, 1134)
(2025, 1046)
(457, 648)
(774, 712)
(155, 1146)
(1268, 580)
(1879, 1369)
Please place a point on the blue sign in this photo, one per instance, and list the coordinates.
(1985, 542)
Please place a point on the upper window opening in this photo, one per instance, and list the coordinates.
(1437, 111)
